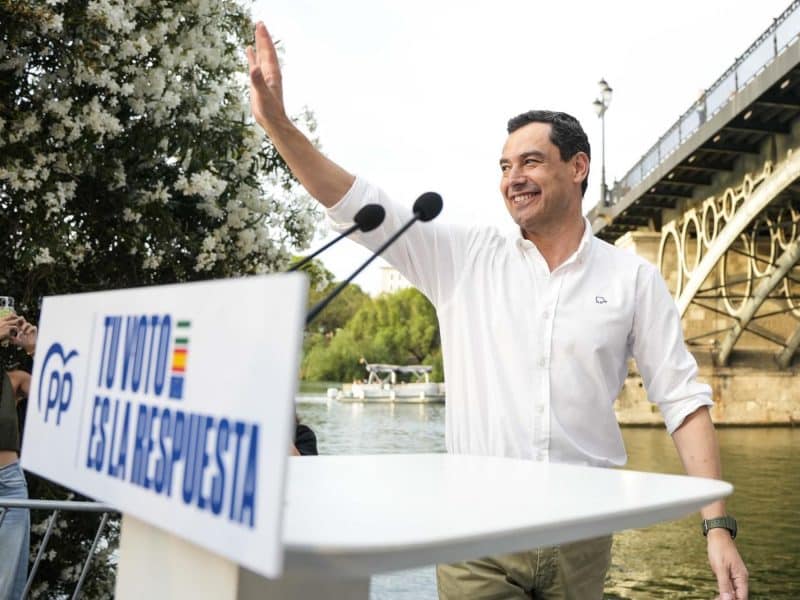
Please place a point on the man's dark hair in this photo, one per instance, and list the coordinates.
(566, 133)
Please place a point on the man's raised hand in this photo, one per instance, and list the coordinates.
(323, 179)
(266, 88)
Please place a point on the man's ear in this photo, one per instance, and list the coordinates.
(580, 163)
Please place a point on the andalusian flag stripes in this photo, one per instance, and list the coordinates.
(180, 354)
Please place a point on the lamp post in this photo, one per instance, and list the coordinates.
(601, 105)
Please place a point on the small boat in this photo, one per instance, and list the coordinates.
(382, 386)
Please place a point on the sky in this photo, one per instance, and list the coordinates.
(414, 95)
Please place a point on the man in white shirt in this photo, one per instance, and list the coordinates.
(536, 327)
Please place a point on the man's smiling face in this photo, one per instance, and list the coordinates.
(537, 185)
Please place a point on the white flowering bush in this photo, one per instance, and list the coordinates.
(127, 153)
(128, 157)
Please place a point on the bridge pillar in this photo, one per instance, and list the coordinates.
(643, 243)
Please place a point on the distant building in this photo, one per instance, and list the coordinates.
(392, 281)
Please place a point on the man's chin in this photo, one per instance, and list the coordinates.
(527, 222)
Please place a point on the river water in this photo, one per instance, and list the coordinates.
(663, 561)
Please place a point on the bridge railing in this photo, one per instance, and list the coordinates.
(783, 31)
(56, 507)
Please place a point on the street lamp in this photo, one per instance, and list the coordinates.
(601, 105)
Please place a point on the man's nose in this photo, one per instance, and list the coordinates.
(516, 176)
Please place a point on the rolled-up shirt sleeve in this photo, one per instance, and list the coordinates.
(668, 369)
(430, 255)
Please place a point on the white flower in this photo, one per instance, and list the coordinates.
(112, 14)
(246, 242)
(127, 49)
(204, 184)
(211, 209)
(53, 203)
(43, 257)
(99, 120)
(66, 190)
(78, 253)
(119, 177)
(160, 194)
(144, 46)
(57, 131)
(131, 216)
(55, 24)
(209, 243)
(151, 262)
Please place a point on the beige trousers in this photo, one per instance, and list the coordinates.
(575, 571)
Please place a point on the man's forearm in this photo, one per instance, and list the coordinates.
(696, 442)
(323, 179)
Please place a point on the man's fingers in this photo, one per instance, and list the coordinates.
(265, 55)
(256, 77)
(251, 57)
(724, 583)
(740, 585)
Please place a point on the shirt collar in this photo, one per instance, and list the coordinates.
(580, 255)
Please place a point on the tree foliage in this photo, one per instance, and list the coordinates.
(399, 328)
(128, 158)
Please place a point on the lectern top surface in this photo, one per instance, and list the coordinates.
(366, 514)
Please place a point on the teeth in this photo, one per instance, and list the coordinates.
(522, 198)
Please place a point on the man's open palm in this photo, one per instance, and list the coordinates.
(266, 88)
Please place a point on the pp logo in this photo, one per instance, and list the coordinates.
(55, 382)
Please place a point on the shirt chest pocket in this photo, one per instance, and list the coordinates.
(594, 328)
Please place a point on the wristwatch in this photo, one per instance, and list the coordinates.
(728, 523)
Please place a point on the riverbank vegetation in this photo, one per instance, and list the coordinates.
(399, 328)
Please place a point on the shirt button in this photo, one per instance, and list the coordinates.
(543, 362)
(546, 315)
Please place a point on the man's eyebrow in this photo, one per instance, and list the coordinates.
(523, 155)
(533, 154)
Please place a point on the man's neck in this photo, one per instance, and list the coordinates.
(557, 244)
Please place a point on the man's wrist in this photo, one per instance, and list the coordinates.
(724, 524)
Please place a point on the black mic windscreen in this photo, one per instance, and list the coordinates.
(428, 206)
(369, 217)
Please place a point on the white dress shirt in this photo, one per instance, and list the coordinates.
(534, 359)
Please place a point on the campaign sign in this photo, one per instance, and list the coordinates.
(174, 404)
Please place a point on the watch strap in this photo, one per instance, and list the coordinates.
(728, 523)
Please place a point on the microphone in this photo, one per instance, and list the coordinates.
(367, 218)
(427, 207)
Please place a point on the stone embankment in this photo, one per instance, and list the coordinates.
(742, 396)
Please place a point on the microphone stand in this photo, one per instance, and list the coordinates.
(347, 232)
(317, 308)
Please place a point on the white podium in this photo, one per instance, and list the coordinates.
(349, 517)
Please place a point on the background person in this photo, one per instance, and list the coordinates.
(536, 328)
(15, 527)
(305, 440)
